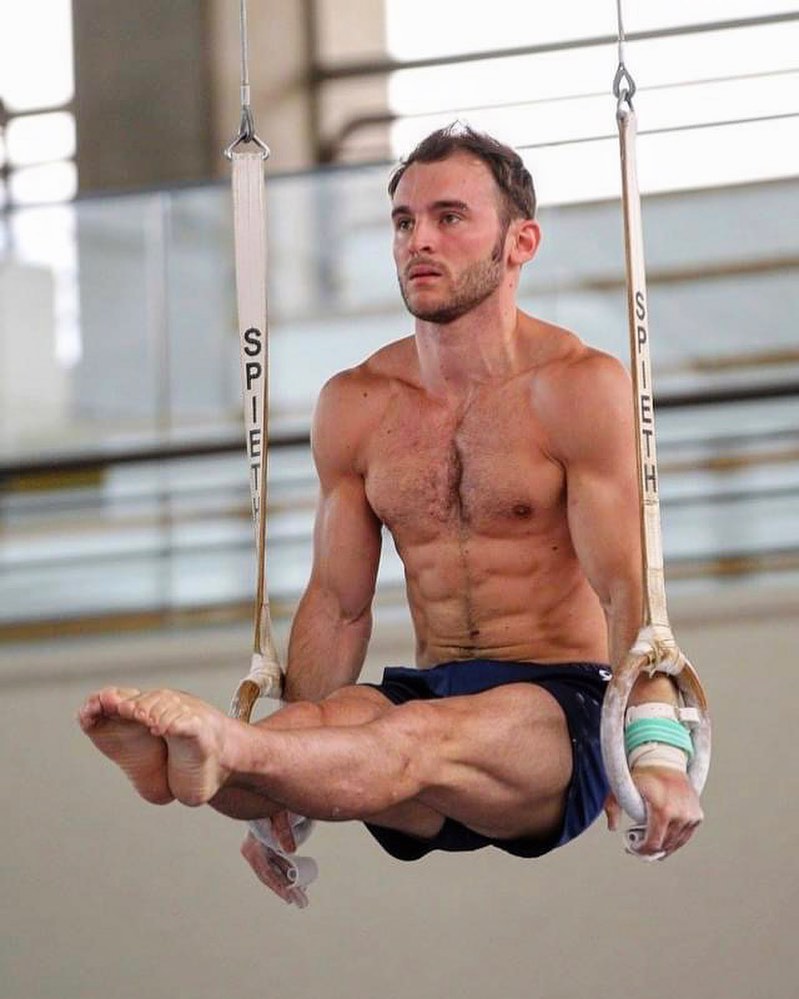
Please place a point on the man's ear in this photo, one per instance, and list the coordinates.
(526, 240)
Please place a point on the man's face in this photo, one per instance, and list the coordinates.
(448, 238)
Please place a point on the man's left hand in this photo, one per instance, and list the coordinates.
(673, 811)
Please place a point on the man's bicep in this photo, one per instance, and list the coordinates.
(347, 540)
(346, 532)
(604, 525)
(602, 492)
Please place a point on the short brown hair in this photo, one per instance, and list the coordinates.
(513, 178)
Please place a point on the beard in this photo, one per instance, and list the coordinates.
(473, 287)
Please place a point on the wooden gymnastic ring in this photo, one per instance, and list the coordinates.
(612, 731)
(250, 689)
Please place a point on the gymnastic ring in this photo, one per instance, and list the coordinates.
(615, 705)
(262, 681)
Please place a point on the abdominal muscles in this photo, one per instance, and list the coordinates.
(472, 597)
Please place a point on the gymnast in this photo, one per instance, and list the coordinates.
(498, 451)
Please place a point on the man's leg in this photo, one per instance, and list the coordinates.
(354, 705)
(142, 755)
(499, 761)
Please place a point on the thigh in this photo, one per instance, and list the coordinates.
(499, 762)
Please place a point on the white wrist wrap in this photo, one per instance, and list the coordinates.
(300, 826)
(655, 754)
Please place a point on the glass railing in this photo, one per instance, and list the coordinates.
(123, 486)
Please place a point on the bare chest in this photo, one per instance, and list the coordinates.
(484, 471)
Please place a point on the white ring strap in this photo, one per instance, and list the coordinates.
(249, 221)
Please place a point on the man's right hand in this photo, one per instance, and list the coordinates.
(287, 877)
(269, 870)
(283, 831)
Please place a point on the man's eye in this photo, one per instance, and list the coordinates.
(450, 218)
(402, 225)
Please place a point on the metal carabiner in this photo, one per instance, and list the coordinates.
(247, 134)
(623, 88)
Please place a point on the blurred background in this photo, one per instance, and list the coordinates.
(126, 547)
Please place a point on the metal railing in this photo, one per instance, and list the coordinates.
(329, 147)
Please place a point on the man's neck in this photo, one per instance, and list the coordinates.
(478, 348)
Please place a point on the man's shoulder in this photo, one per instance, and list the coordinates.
(392, 362)
(352, 402)
(582, 395)
(571, 367)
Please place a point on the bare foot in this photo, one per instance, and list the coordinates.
(195, 737)
(141, 755)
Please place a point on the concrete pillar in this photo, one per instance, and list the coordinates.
(158, 85)
(354, 32)
(141, 93)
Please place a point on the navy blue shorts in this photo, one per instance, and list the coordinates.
(577, 687)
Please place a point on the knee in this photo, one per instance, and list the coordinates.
(298, 714)
(353, 705)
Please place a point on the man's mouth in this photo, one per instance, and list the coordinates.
(421, 271)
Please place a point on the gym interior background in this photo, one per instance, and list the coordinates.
(126, 550)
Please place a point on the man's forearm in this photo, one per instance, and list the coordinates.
(326, 649)
(623, 614)
(624, 617)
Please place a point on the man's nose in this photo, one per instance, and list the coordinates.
(422, 238)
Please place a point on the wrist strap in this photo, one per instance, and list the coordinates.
(663, 730)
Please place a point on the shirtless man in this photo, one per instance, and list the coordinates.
(498, 450)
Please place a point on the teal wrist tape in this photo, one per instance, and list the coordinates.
(670, 733)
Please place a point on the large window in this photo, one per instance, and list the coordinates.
(714, 107)
(37, 153)
(37, 144)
